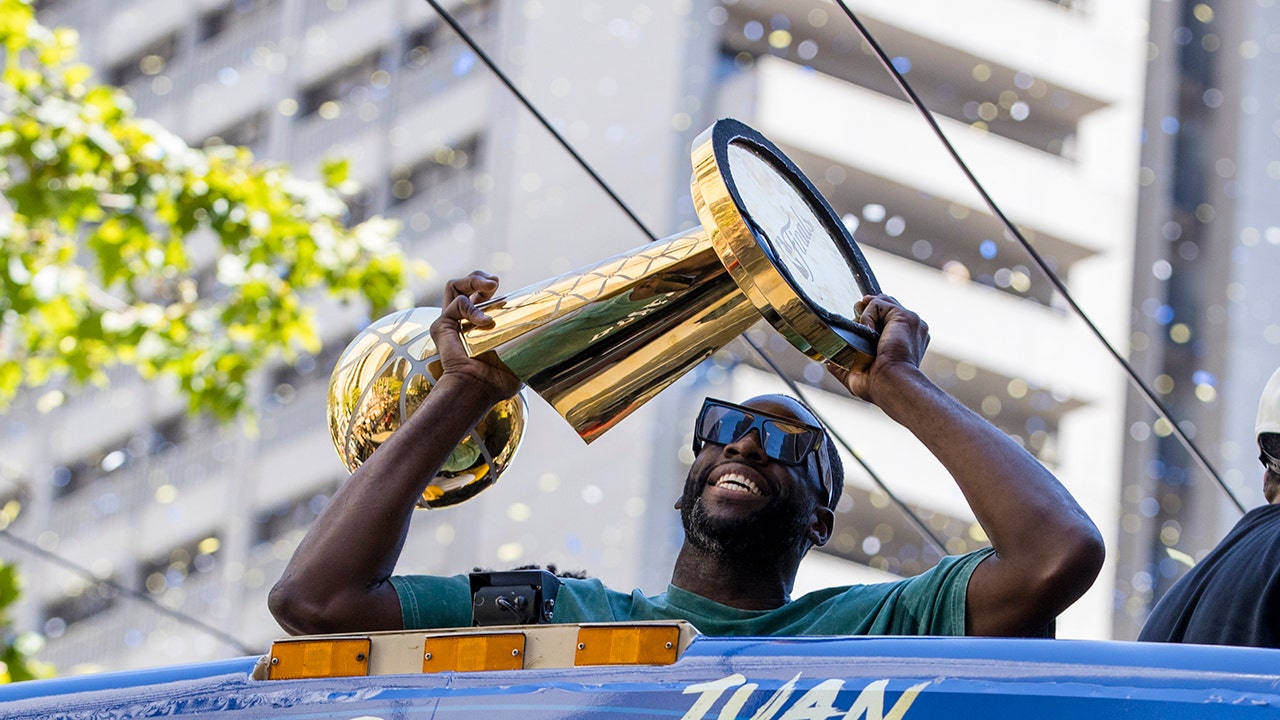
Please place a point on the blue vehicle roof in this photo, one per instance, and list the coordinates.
(879, 677)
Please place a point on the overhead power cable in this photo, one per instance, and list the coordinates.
(1048, 271)
(791, 384)
(87, 574)
(493, 67)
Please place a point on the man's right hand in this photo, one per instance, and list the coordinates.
(461, 297)
(339, 577)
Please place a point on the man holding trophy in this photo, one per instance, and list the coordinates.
(599, 342)
(759, 494)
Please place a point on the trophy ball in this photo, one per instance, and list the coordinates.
(383, 376)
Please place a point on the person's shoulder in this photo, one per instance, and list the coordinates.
(590, 588)
(946, 566)
(583, 584)
(1261, 521)
(1268, 513)
(949, 570)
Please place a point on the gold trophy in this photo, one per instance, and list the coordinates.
(598, 342)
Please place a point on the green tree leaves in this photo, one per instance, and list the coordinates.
(122, 245)
(14, 663)
(119, 244)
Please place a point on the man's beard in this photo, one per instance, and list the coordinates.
(776, 530)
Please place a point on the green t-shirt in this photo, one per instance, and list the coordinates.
(932, 603)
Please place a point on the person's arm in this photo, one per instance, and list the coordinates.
(337, 579)
(1047, 550)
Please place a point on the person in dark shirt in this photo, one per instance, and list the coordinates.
(1232, 596)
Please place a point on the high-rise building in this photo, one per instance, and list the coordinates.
(1205, 321)
(1042, 99)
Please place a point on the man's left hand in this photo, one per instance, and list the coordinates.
(904, 336)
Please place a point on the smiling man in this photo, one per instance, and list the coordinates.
(758, 496)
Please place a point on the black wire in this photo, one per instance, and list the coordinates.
(791, 384)
(88, 575)
(493, 67)
(1053, 278)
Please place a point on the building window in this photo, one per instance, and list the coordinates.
(237, 14)
(348, 90)
(242, 133)
(174, 568)
(445, 164)
(291, 518)
(1027, 413)
(424, 42)
(68, 478)
(81, 603)
(359, 207)
(150, 61)
(119, 455)
(869, 530)
(976, 91)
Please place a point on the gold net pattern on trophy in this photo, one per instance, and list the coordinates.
(544, 302)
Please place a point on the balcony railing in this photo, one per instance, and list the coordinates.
(436, 207)
(448, 63)
(118, 498)
(133, 624)
(234, 49)
(315, 12)
(316, 134)
(151, 92)
(58, 13)
(229, 52)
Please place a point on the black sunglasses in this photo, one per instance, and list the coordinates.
(783, 439)
(1268, 445)
(1270, 463)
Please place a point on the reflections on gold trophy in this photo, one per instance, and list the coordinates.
(600, 341)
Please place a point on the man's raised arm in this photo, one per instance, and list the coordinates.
(337, 579)
(1047, 550)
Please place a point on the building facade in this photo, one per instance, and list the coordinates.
(1205, 323)
(1043, 100)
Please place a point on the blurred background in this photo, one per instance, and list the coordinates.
(1134, 142)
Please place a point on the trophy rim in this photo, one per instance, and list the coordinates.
(752, 259)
